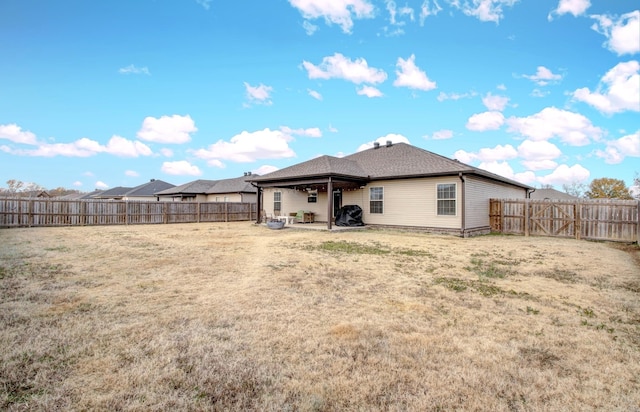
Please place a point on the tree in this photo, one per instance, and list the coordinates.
(608, 188)
(636, 186)
(575, 189)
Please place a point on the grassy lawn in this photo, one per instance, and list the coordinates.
(238, 317)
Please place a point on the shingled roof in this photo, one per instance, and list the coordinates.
(234, 185)
(391, 161)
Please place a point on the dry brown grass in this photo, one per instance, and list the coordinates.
(238, 317)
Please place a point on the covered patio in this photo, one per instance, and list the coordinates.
(331, 186)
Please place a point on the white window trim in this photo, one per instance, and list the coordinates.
(383, 207)
(455, 184)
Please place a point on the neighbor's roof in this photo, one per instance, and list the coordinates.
(113, 192)
(553, 194)
(149, 188)
(399, 160)
(234, 185)
(201, 186)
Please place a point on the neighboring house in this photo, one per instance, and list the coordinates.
(81, 196)
(396, 185)
(144, 192)
(551, 194)
(237, 189)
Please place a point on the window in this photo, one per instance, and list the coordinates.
(376, 199)
(447, 199)
(312, 197)
(277, 202)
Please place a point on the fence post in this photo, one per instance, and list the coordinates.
(226, 211)
(164, 212)
(526, 217)
(501, 215)
(199, 207)
(577, 213)
(29, 212)
(638, 230)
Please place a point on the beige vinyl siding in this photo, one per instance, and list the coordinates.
(412, 202)
(294, 200)
(233, 197)
(478, 193)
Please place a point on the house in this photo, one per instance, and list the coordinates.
(396, 185)
(238, 189)
(551, 194)
(144, 192)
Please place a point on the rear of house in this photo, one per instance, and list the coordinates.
(395, 185)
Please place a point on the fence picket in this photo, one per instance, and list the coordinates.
(20, 212)
(613, 220)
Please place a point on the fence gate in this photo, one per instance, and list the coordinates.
(552, 219)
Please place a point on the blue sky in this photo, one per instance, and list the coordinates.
(98, 94)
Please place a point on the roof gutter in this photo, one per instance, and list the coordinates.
(462, 207)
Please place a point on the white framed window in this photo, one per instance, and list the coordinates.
(446, 199)
(312, 197)
(376, 199)
(277, 202)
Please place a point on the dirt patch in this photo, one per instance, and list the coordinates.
(239, 317)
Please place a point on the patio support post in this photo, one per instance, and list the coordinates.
(329, 203)
(259, 205)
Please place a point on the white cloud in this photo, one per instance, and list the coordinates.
(619, 90)
(101, 185)
(455, 96)
(369, 91)
(540, 150)
(495, 103)
(119, 146)
(442, 134)
(481, 122)
(487, 155)
(132, 69)
(393, 137)
(622, 33)
(250, 146)
(15, 134)
(333, 129)
(618, 149)
(174, 129)
(77, 183)
(309, 28)
(310, 132)
(314, 94)
(131, 173)
(504, 169)
(340, 12)
(341, 67)
(206, 4)
(539, 93)
(166, 152)
(540, 164)
(575, 7)
(564, 174)
(572, 128)
(85, 147)
(543, 76)
(396, 14)
(483, 10)
(260, 94)
(263, 170)
(180, 168)
(427, 9)
(409, 75)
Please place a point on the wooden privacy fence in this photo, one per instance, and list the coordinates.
(16, 212)
(613, 220)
